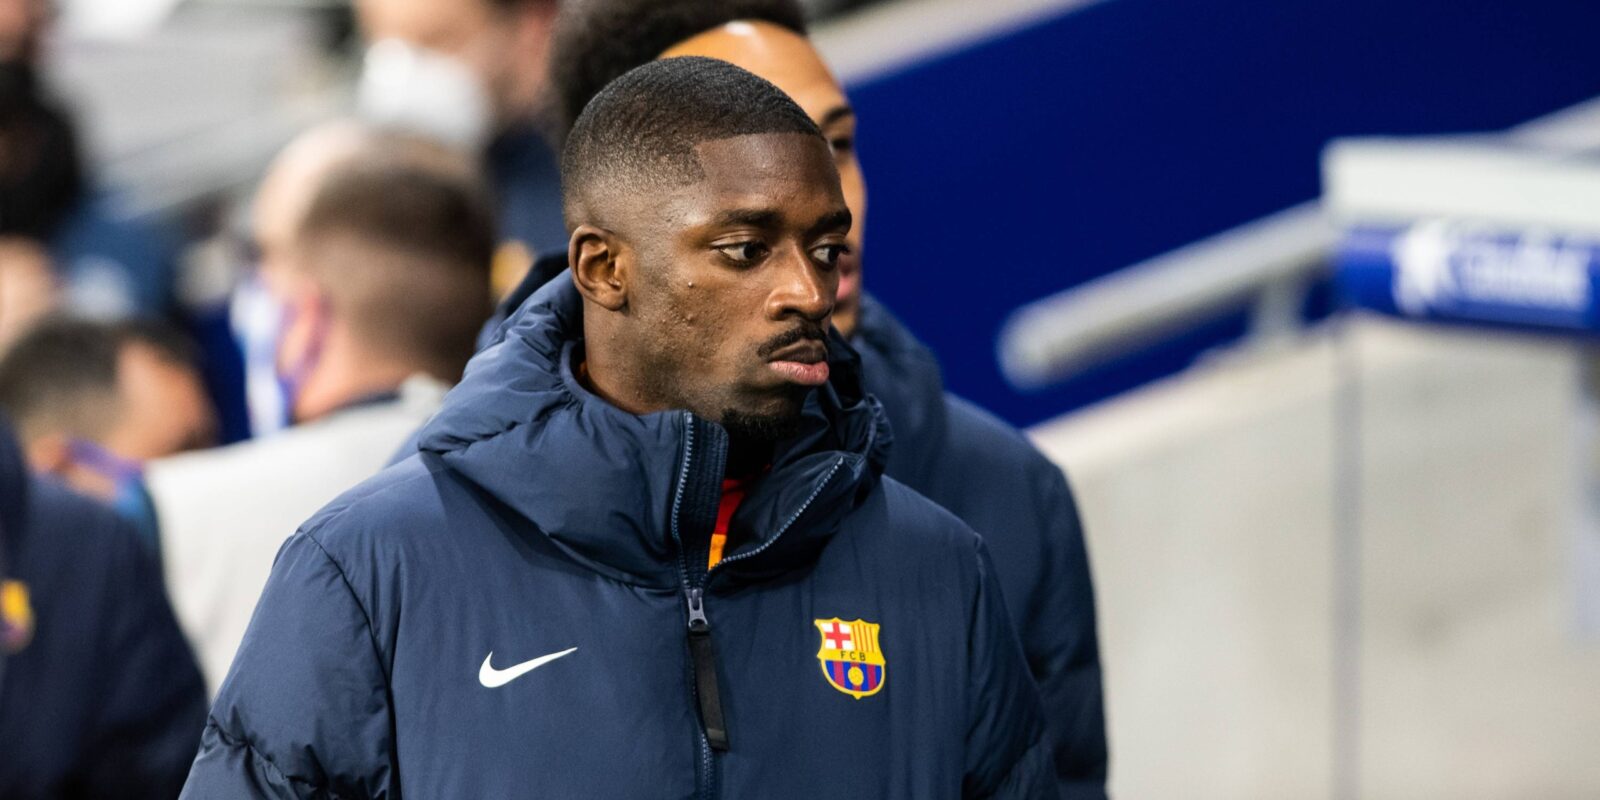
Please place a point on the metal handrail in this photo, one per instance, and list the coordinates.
(1047, 340)
(1108, 317)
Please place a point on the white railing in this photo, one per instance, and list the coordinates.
(1264, 265)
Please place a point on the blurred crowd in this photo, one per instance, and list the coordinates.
(364, 279)
(139, 515)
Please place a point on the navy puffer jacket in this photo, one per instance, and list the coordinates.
(986, 473)
(523, 610)
(104, 698)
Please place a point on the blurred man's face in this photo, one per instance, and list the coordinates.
(22, 24)
(505, 47)
(28, 289)
(793, 65)
(285, 196)
(160, 409)
(165, 409)
(733, 282)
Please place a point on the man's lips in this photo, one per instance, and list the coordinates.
(804, 362)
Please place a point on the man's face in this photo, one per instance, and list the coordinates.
(505, 48)
(734, 279)
(164, 407)
(790, 62)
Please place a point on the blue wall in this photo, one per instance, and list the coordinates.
(1028, 164)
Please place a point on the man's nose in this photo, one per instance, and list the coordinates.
(804, 288)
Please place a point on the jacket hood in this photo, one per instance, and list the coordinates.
(903, 374)
(616, 491)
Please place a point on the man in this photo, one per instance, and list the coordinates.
(660, 490)
(99, 694)
(472, 72)
(93, 402)
(962, 458)
(378, 248)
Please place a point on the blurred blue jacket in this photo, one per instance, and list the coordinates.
(527, 182)
(105, 700)
(985, 472)
(540, 521)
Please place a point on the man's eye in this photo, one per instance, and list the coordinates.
(829, 254)
(842, 144)
(744, 252)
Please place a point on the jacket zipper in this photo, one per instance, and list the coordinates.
(702, 651)
(705, 788)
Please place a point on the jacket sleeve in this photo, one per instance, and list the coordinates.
(150, 702)
(1008, 748)
(1063, 646)
(304, 711)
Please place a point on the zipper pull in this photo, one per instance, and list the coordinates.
(698, 624)
(704, 655)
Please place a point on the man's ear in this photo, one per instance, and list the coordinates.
(600, 266)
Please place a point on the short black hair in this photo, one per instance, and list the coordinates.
(640, 132)
(596, 41)
(62, 373)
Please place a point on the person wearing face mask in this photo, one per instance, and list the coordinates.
(99, 693)
(94, 401)
(955, 454)
(472, 73)
(375, 249)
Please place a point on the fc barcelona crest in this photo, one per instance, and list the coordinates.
(852, 661)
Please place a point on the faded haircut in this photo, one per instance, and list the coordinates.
(402, 236)
(61, 376)
(641, 131)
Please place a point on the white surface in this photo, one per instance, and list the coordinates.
(224, 513)
(1209, 503)
(882, 38)
(1398, 181)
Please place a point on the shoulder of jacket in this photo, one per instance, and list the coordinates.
(403, 500)
(992, 447)
(909, 514)
(362, 429)
(77, 524)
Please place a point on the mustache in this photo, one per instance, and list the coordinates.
(792, 336)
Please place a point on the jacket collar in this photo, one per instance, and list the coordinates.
(617, 492)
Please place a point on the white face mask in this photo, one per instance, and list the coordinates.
(426, 92)
(257, 320)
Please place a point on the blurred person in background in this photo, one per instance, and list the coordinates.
(94, 401)
(99, 693)
(473, 73)
(377, 246)
(954, 453)
(28, 288)
(111, 264)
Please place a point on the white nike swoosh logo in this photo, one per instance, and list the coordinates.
(495, 678)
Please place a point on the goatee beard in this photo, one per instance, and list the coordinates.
(768, 428)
